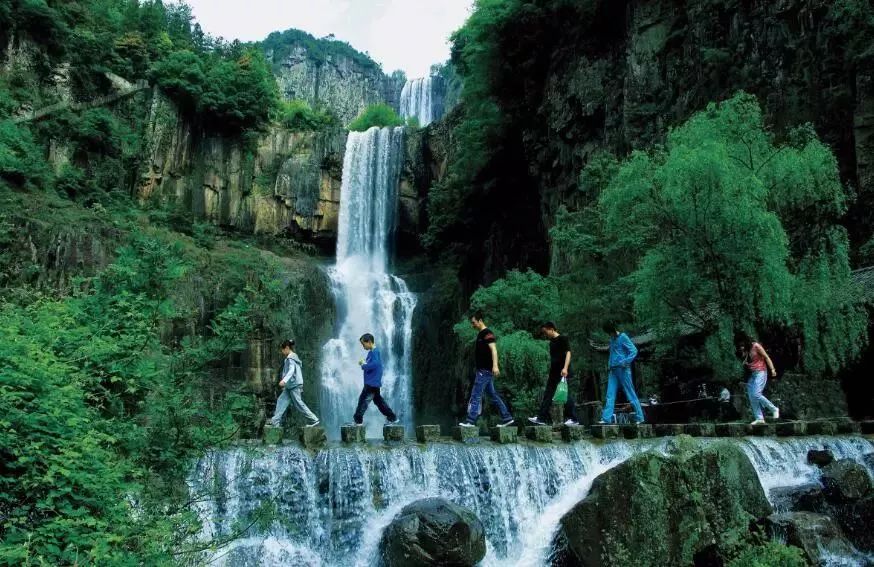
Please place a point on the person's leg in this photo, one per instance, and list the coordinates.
(296, 395)
(476, 395)
(610, 399)
(761, 382)
(551, 385)
(363, 402)
(281, 405)
(628, 388)
(383, 407)
(753, 395)
(570, 406)
(496, 399)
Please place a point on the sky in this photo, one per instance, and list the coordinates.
(410, 35)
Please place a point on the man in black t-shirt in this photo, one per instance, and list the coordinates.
(486, 360)
(559, 369)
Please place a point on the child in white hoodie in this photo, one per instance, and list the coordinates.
(291, 382)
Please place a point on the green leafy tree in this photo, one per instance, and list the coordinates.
(380, 115)
(240, 94)
(299, 116)
(182, 75)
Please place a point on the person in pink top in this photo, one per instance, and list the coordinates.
(758, 364)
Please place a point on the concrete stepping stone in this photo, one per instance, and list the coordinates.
(668, 429)
(867, 427)
(539, 433)
(313, 437)
(791, 428)
(700, 429)
(848, 427)
(605, 431)
(393, 433)
(762, 430)
(636, 430)
(466, 434)
(427, 433)
(571, 433)
(353, 433)
(731, 429)
(272, 435)
(822, 428)
(504, 435)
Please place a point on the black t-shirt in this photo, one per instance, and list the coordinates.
(558, 349)
(482, 352)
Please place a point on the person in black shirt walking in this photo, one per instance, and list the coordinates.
(486, 359)
(559, 369)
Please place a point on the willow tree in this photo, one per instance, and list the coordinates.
(735, 232)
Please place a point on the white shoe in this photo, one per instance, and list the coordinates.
(466, 424)
(536, 421)
(571, 422)
(313, 424)
(507, 423)
(758, 422)
(390, 422)
(776, 414)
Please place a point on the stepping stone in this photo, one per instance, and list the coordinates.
(822, 428)
(504, 435)
(762, 430)
(313, 437)
(466, 434)
(272, 435)
(539, 433)
(393, 433)
(353, 433)
(848, 427)
(791, 428)
(605, 431)
(700, 429)
(571, 433)
(668, 429)
(867, 427)
(731, 429)
(427, 433)
(636, 430)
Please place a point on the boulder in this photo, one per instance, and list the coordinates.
(665, 510)
(845, 481)
(857, 520)
(820, 457)
(433, 531)
(816, 534)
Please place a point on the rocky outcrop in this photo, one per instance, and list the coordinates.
(658, 510)
(817, 535)
(433, 531)
(845, 480)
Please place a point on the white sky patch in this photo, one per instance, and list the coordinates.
(410, 35)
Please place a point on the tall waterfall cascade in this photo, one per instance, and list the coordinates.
(331, 508)
(368, 298)
(417, 100)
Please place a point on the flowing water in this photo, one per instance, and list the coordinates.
(368, 298)
(331, 507)
(417, 101)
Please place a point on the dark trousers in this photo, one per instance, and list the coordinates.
(371, 394)
(570, 408)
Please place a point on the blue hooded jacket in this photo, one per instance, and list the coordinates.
(622, 351)
(372, 368)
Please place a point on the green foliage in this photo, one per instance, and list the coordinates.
(21, 160)
(281, 44)
(735, 233)
(241, 94)
(771, 554)
(299, 116)
(182, 75)
(380, 115)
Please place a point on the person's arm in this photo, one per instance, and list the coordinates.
(287, 373)
(768, 361)
(629, 348)
(372, 360)
(567, 364)
(495, 369)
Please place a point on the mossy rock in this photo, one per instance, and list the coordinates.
(658, 510)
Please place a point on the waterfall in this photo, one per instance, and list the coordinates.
(417, 101)
(330, 508)
(368, 298)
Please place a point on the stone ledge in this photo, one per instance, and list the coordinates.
(762, 430)
(427, 433)
(605, 431)
(571, 433)
(313, 437)
(393, 433)
(731, 429)
(668, 429)
(700, 429)
(636, 430)
(539, 433)
(272, 435)
(504, 435)
(466, 434)
(353, 433)
(791, 428)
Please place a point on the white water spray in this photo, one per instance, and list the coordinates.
(417, 100)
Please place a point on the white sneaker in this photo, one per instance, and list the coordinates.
(758, 422)
(507, 423)
(313, 424)
(571, 422)
(466, 424)
(536, 421)
(390, 422)
(776, 414)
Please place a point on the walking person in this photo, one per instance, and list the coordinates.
(559, 370)
(486, 361)
(291, 382)
(622, 354)
(372, 368)
(757, 363)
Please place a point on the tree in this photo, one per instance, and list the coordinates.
(380, 115)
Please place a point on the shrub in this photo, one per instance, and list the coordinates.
(299, 116)
(381, 115)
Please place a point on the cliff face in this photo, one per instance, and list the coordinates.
(337, 82)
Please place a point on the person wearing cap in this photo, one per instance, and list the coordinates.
(291, 382)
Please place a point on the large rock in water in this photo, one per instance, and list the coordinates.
(816, 534)
(657, 510)
(845, 481)
(433, 531)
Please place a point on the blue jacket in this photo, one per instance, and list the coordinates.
(622, 351)
(372, 368)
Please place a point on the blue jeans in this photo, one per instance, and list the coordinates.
(485, 382)
(621, 377)
(755, 387)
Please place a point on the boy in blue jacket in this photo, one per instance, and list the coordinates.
(622, 354)
(372, 367)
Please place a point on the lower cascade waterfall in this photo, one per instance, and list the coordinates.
(417, 101)
(331, 508)
(368, 298)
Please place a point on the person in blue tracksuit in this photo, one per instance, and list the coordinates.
(372, 367)
(622, 354)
